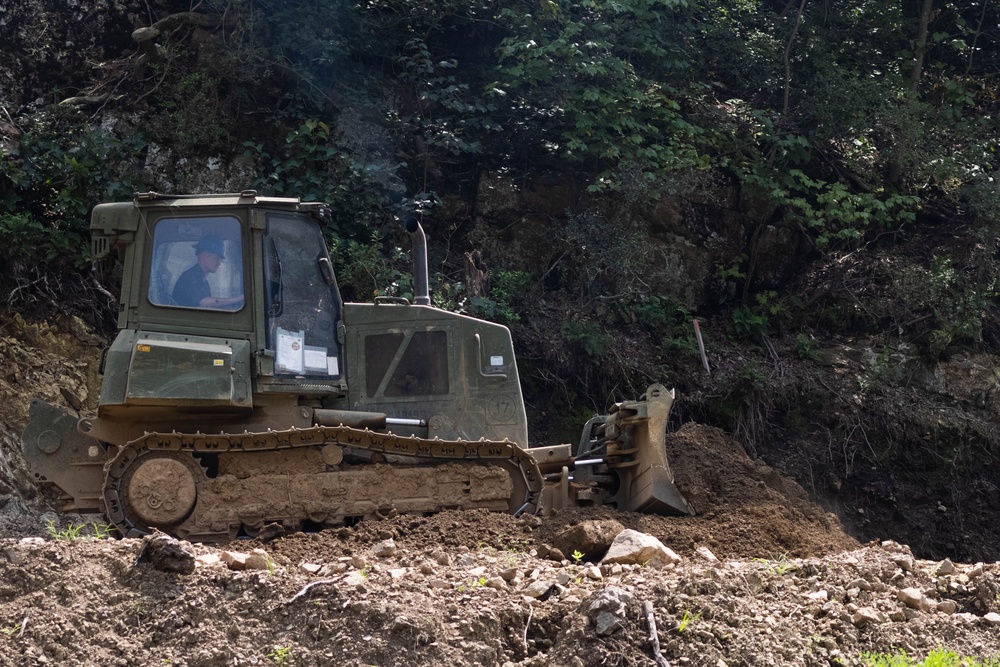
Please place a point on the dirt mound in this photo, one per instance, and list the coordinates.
(745, 509)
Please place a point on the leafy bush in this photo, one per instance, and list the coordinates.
(587, 335)
(61, 168)
(506, 300)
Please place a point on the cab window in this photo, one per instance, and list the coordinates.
(197, 263)
(301, 302)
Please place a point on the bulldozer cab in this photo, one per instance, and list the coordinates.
(230, 306)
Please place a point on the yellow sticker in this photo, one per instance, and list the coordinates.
(218, 362)
(142, 348)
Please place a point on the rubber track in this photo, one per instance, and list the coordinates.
(502, 453)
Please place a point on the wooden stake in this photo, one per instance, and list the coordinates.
(654, 640)
(701, 347)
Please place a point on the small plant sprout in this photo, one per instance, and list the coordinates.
(577, 556)
(102, 530)
(11, 630)
(473, 584)
(686, 620)
(779, 565)
(71, 532)
(280, 655)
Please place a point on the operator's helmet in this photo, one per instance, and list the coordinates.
(211, 244)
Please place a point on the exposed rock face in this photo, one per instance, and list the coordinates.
(45, 41)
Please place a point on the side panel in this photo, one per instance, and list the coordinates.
(455, 373)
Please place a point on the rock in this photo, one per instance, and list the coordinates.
(947, 606)
(397, 573)
(631, 546)
(426, 568)
(355, 580)
(608, 609)
(358, 563)
(537, 589)
(167, 554)
(992, 618)
(234, 560)
(258, 559)
(333, 568)
(818, 596)
(311, 568)
(556, 554)
(594, 572)
(944, 567)
(867, 615)
(905, 563)
(590, 538)
(496, 583)
(255, 560)
(270, 532)
(707, 554)
(384, 549)
(860, 584)
(465, 560)
(508, 574)
(207, 560)
(913, 598)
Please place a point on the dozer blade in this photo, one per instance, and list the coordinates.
(637, 452)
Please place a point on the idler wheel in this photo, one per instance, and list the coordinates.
(161, 491)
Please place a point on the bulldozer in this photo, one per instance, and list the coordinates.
(242, 391)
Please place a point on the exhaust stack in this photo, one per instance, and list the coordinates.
(421, 289)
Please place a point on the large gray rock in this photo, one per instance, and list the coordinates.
(591, 538)
(631, 546)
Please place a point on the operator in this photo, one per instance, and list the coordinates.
(192, 289)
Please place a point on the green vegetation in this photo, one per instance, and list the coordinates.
(939, 657)
(686, 620)
(778, 565)
(280, 655)
(77, 531)
(71, 532)
(472, 585)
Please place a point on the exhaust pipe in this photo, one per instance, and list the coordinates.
(421, 289)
